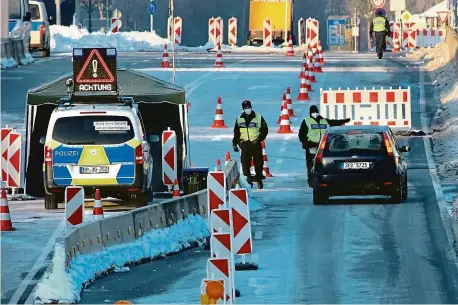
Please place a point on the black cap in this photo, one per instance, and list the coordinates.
(313, 109)
(246, 104)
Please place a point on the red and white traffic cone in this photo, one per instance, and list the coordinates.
(396, 48)
(316, 63)
(218, 122)
(165, 58)
(228, 157)
(266, 163)
(311, 66)
(320, 53)
(308, 84)
(219, 58)
(176, 189)
(303, 91)
(97, 211)
(290, 50)
(5, 219)
(281, 111)
(304, 66)
(218, 166)
(285, 126)
(289, 105)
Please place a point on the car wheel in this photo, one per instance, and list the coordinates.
(50, 202)
(319, 197)
(405, 190)
(396, 195)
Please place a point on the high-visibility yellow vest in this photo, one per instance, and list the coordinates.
(316, 130)
(379, 24)
(251, 131)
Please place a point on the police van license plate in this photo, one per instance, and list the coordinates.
(94, 169)
(356, 165)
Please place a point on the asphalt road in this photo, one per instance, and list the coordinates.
(351, 251)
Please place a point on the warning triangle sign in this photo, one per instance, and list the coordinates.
(443, 16)
(95, 70)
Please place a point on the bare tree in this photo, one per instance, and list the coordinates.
(365, 8)
(91, 5)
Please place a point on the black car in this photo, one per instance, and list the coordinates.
(359, 160)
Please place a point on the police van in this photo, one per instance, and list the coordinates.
(40, 36)
(98, 146)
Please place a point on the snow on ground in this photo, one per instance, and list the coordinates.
(7, 62)
(444, 124)
(58, 284)
(65, 38)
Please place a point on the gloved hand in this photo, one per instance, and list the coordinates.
(255, 142)
(304, 145)
(235, 147)
(347, 120)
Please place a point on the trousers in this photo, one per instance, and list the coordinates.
(252, 151)
(309, 157)
(380, 42)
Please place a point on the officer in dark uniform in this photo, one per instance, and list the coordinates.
(381, 27)
(249, 131)
(312, 130)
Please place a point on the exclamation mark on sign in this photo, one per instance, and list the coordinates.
(94, 68)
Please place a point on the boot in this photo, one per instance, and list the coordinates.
(249, 179)
(260, 185)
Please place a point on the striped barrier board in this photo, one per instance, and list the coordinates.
(267, 34)
(14, 160)
(219, 268)
(232, 31)
(390, 107)
(116, 24)
(216, 184)
(301, 31)
(429, 37)
(169, 157)
(211, 30)
(238, 200)
(74, 206)
(312, 27)
(178, 29)
(220, 221)
(5, 143)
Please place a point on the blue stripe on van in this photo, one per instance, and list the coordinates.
(11, 25)
(35, 25)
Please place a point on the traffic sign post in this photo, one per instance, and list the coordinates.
(336, 36)
(152, 9)
(443, 16)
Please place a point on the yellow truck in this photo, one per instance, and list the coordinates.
(279, 12)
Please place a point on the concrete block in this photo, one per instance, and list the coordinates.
(90, 237)
(117, 229)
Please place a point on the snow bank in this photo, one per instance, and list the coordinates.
(436, 57)
(64, 286)
(64, 39)
(7, 62)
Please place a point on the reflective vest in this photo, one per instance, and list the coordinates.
(316, 130)
(379, 24)
(251, 131)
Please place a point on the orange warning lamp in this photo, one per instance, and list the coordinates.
(215, 290)
(123, 302)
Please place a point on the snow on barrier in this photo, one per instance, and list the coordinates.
(232, 31)
(301, 31)
(97, 247)
(267, 34)
(312, 32)
(390, 107)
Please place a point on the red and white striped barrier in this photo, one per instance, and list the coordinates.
(267, 34)
(312, 32)
(14, 160)
(169, 158)
(216, 195)
(212, 30)
(5, 143)
(74, 206)
(238, 199)
(220, 221)
(429, 37)
(301, 32)
(390, 107)
(409, 39)
(232, 31)
(116, 24)
(393, 34)
(220, 268)
(219, 31)
(175, 29)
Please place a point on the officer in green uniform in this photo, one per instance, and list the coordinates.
(312, 130)
(249, 131)
(381, 27)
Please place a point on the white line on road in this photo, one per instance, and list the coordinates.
(11, 78)
(433, 172)
(275, 69)
(38, 264)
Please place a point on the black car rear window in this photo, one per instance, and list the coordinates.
(97, 130)
(354, 142)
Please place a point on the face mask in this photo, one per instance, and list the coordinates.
(247, 111)
(315, 115)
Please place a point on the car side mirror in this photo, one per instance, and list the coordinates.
(42, 140)
(27, 17)
(153, 138)
(406, 148)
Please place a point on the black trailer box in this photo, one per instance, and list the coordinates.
(194, 179)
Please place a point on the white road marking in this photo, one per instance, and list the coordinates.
(38, 264)
(258, 235)
(283, 149)
(275, 69)
(11, 78)
(279, 161)
(432, 167)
